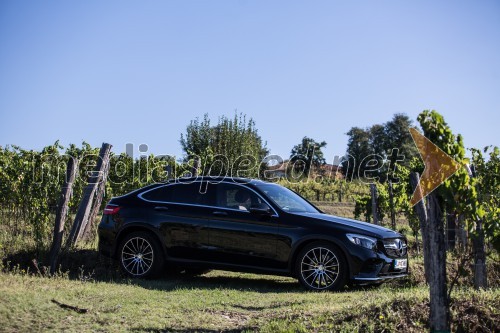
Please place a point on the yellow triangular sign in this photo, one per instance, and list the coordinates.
(439, 166)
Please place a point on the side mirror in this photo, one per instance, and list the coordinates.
(260, 209)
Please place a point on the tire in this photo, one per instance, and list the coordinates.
(321, 266)
(140, 255)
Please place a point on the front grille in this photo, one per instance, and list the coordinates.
(396, 247)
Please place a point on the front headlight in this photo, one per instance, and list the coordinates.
(364, 241)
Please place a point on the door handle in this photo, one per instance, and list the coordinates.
(219, 213)
(161, 208)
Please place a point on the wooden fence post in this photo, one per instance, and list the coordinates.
(480, 276)
(433, 239)
(373, 191)
(83, 213)
(62, 212)
(439, 317)
(391, 203)
(422, 217)
(101, 189)
(451, 230)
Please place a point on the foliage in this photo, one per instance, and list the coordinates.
(487, 174)
(307, 154)
(458, 193)
(397, 134)
(232, 147)
(358, 148)
(327, 190)
(364, 204)
(27, 188)
(30, 184)
(373, 152)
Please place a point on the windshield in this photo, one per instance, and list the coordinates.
(287, 200)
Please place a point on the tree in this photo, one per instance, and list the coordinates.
(307, 154)
(358, 147)
(386, 144)
(232, 147)
(397, 136)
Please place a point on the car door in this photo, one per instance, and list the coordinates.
(181, 211)
(238, 236)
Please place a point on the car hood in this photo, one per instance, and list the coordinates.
(363, 227)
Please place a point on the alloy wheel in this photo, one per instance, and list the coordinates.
(319, 268)
(137, 256)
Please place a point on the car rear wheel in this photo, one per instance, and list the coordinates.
(321, 266)
(141, 255)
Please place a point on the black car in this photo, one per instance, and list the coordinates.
(245, 225)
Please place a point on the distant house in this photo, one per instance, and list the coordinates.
(330, 170)
(276, 171)
(326, 170)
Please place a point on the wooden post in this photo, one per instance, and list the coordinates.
(422, 217)
(451, 230)
(439, 317)
(62, 212)
(462, 234)
(96, 206)
(433, 239)
(480, 276)
(391, 203)
(83, 213)
(373, 191)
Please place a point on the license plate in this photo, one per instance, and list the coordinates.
(400, 263)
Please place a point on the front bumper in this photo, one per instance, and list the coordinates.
(379, 279)
(376, 267)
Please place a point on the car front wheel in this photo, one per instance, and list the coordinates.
(321, 266)
(140, 255)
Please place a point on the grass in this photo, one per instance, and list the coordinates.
(223, 302)
(91, 295)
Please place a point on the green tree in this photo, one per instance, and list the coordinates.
(231, 147)
(397, 136)
(358, 147)
(307, 155)
(387, 144)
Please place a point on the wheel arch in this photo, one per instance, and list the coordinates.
(318, 238)
(138, 227)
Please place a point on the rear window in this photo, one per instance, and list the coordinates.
(163, 193)
(195, 193)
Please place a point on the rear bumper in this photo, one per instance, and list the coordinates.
(106, 234)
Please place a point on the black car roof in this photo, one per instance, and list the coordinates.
(218, 179)
(214, 180)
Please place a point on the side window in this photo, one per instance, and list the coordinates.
(197, 193)
(194, 193)
(236, 197)
(163, 193)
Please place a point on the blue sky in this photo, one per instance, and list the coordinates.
(139, 71)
